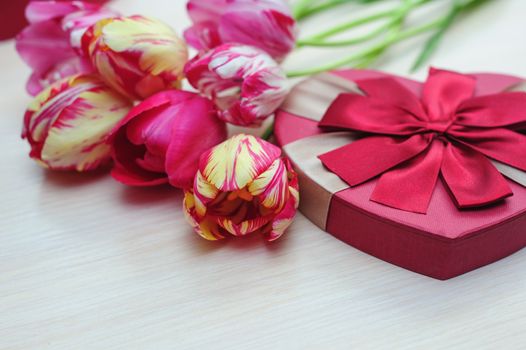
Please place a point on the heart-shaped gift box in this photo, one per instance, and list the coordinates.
(443, 241)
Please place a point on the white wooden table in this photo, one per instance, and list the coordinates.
(86, 263)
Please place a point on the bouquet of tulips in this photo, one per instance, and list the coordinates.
(108, 90)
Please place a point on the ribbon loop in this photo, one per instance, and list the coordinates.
(447, 131)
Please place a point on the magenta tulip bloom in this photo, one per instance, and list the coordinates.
(245, 83)
(50, 45)
(163, 137)
(266, 24)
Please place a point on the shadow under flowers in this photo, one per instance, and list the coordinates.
(73, 179)
(140, 196)
(248, 243)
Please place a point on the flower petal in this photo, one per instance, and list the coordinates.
(136, 55)
(245, 83)
(284, 219)
(268, 29)
(70, 67)
(202, 36)
(234, 163)
(77, 137)
(208, 10)
(205, 227)
(204, 193)
(271, 186)
(196, 130)
(40, 11)
(245, 227)
(43, 45)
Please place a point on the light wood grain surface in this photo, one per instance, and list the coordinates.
(86, 263)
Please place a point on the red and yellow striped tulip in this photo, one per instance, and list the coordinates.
(68, 123)
(137, 56)
(243, 186)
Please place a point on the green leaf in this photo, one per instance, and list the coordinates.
(432, 44)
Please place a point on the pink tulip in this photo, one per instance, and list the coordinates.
(52, 40)
(136, 55)
(266, 24)
(243, 186)
(163, 137)
(245, 83)
(68, 123)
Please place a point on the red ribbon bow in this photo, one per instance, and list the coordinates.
(447, 131)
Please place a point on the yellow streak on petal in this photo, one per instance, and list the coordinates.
(234, 163)
(272, 185)
(163, 51)
(79, 141)
(206, 229)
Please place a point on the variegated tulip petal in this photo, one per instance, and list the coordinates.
(271, 186)
(284, 219)
(206, 228)
(46, 108)
(136, 55)
(234, 163)
(245, 83)
(245, 227)
(263, 92)
(204, 193)
(77, 138)
(77, 23)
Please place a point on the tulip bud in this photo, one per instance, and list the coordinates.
(137, 56)
(68, 123)
(265, 24)
(243, 186)
(163, 137)
(246, 84)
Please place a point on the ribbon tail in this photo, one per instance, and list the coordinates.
(471, 178)
(410, 185)
(367, 158)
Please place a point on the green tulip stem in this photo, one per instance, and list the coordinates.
(372, 51)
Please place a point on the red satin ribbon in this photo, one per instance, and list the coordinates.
(412, 140)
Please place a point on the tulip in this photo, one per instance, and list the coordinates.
(266, 24)
(137, 56)
(67, 124)
(246, 84)
(243, 186)
(163, 137)
(51, 42)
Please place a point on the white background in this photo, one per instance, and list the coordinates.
(86, 263)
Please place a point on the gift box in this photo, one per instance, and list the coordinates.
(439, 218)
